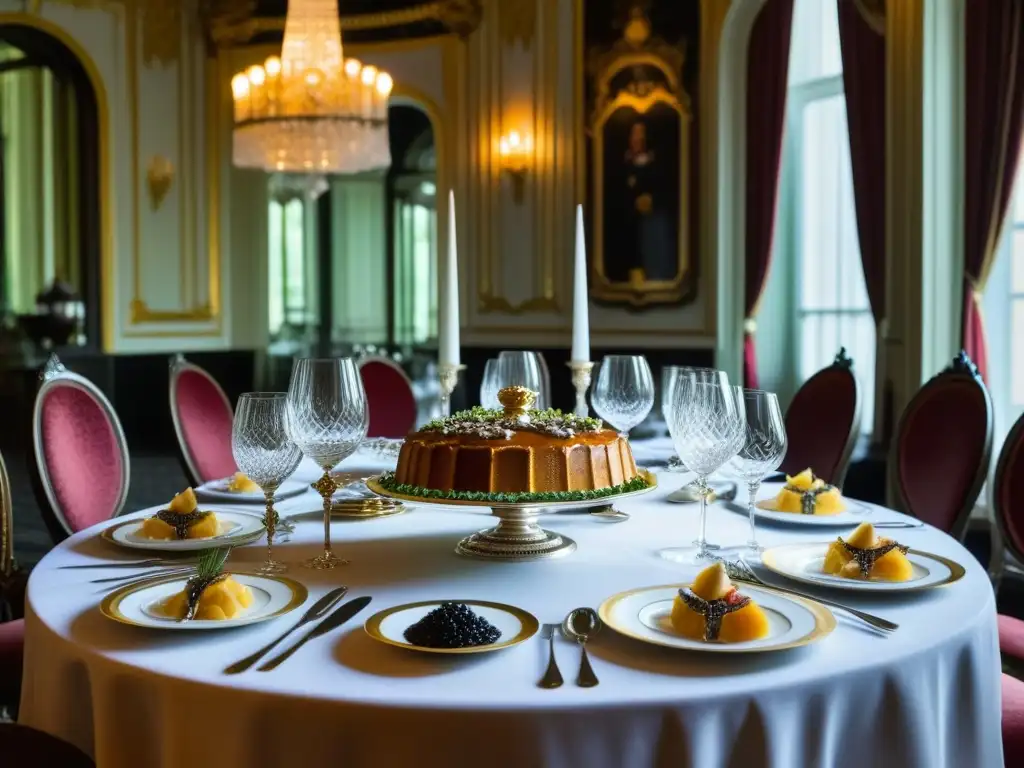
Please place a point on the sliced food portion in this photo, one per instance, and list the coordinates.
(713, 610)
(181, 520)
(866, 555)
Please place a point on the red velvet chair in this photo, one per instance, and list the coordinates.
(943, 445)
(823, 422)
(1013, 722)
(389, 397)
(1007, 500)
(12, 633)
(202, 416)
(24, 747)
(80, 466)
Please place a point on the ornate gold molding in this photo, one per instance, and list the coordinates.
(159, 177)
(488, 303)
(229, 23)
(160, 22)
(517, 20)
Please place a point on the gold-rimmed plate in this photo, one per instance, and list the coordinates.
(516, 625)
(803, 562)
(138, 604)
(366, 509)
(854, 513)
(645, 614)
(237, 528)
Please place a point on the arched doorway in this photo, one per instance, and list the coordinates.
(51, 233)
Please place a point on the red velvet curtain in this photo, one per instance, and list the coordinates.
(994, 104)
(863, 50)
(767, 70)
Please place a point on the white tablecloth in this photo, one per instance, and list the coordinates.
(926, 697)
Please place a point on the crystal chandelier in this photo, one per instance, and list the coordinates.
(311, 111)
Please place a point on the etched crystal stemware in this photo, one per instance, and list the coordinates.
(764, 447)
(265, 453)
(624, 392)
(490, 385)
(707, 431)
(327, 419)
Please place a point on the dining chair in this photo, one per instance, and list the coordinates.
(202, 416)
(389, 397)
(1013, 721)
(823, 422)
(12, 631)
(79, 462)
(24, 747)
(943, 445)
(1006, 500)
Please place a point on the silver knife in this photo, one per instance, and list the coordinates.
(336, 619)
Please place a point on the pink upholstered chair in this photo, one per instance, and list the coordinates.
(1013, 722)
(202, 416)
(389, 397)
(81, 467)
(823, 422)
(12, 633)
(24, 747)
(940, 455)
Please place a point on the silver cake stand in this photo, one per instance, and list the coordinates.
(517, 537)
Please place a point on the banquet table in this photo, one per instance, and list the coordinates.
(928, 696)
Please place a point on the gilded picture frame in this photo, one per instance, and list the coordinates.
(641, 248)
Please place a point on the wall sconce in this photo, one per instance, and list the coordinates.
(515, 151)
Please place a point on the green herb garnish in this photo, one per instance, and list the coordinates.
(494, 424)
(209, 571)
(388, 482)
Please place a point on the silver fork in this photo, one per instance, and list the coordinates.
(552, 677)
(740, 571)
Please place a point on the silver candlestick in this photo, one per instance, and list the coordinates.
(581, 381)
(448, 376)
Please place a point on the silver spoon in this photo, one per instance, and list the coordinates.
(579, 626)
(610, 514)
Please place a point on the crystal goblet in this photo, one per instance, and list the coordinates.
(265, 453)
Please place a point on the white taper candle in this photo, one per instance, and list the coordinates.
(449, 341)
(580, 305)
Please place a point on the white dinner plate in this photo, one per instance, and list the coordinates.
(645, 614)
(515, 624)
(854, 514)
(136, 604)
(237, 528)
(803, 562)
(217, 491)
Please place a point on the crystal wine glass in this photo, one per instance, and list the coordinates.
(265, 453)
(327, 419)
(669, 376)
(762, 451)
(624, 392)
(491, 385)
(521, 369)
(707, 431)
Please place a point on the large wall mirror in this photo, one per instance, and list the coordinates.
(50, 212)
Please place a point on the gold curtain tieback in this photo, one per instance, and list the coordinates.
(750, 326)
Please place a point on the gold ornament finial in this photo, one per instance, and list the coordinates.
(516, 400)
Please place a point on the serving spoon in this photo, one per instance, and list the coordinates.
(579, 626)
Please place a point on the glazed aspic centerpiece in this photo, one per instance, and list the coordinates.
(517, 461)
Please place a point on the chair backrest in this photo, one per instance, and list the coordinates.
(389, 396)
(6, 524)
(1008, 491)
(823, 422)
(202, 416)
(81, 466)
(940, 456)
(24, 747)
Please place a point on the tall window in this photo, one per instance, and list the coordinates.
(817, 281)
(415, 276)
(288, 305)
(1004, 315)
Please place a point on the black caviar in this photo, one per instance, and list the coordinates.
(452, 625)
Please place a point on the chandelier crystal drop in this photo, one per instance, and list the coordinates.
(311, 111)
